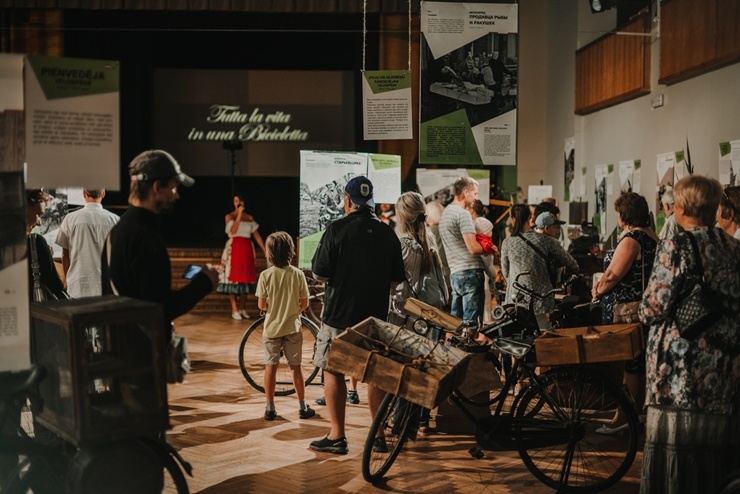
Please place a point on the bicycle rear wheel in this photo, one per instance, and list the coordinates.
(252, 358)
(556, 426)
(395, 419)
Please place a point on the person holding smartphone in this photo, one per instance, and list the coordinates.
(238, 274)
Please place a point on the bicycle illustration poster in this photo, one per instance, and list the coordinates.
(324, 174)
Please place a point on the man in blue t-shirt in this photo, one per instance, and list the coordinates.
(359, 258)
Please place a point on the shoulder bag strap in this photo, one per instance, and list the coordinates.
(697, 257)
(535, 248)
(35, 272)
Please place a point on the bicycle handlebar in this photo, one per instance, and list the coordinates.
(538, 296)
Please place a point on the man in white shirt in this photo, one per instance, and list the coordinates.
(81, 237)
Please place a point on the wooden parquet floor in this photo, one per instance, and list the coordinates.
(218, 427)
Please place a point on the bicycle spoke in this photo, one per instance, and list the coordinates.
(393, 424)
(252, 358)
(556, 426)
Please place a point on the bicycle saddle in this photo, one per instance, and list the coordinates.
(514, 347)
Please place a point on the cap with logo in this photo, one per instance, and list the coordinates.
(360, 191)
(156, 165)
(547, 219)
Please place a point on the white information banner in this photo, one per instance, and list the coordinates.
(386, 97)
(72, 123)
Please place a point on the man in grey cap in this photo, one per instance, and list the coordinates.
(135, 262)
(360, 259)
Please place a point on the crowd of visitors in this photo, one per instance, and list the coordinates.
(688, 384)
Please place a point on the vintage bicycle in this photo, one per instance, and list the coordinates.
(551, 422)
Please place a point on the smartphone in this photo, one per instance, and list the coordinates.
(191, 271)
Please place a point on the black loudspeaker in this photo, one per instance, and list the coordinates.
(578, 213)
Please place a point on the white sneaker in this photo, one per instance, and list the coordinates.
(244, 314)
(236, 316)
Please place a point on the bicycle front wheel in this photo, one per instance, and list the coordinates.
(388, 433)
(556, 424)
(252, 358)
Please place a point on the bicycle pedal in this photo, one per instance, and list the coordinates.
(476, 452)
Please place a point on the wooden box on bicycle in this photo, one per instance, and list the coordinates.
(398, 361)
(104, 358)
(591, 344)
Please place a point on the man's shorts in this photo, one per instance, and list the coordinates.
(291, 345)
(323, 343)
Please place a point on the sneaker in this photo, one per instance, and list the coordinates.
(379, 445)
(353, 397)
(244, 314)
(307, 413)
(426, 429)
(326, 445)
(320, 401)
(270, 414)
(610, 431)
(236, 316)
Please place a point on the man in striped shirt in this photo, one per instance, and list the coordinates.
(463, 253)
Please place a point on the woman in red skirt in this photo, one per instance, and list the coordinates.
(239, 273)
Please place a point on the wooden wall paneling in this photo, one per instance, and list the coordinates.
(688, 37)
(394, 55)
(614, 68)
(728, 30)
(12, 141)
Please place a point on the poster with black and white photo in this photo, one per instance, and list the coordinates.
(439, 184)
(569, 165)
(664, 167)
(601, 174)
(324, 175)
(629, 176)
(468, 94)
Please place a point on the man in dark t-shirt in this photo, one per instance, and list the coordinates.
(360, 259)
(138, 265)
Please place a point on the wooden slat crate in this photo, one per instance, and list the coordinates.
(398, 361)
(590, 344)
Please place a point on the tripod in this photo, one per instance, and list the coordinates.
(233, 146)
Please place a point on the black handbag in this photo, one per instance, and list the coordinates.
(696, 309)
(41, 292)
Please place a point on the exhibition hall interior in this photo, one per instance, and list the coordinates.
(273, 109)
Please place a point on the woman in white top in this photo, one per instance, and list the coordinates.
(238, 275)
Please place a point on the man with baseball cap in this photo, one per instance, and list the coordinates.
(548, 224)
(359, 258)
(135, 262)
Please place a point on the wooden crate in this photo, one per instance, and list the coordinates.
(115, 390)
(590, 344)
(398, 361)
(436, 316)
